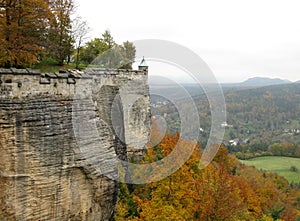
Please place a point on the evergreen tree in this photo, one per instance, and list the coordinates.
(129, 54)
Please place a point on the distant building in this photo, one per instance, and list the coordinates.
(224, 124)
(234, 142)
(246, 141)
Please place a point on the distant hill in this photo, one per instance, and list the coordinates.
(263, 81)
(298, 82)
(267, 114)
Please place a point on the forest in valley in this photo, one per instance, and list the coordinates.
(261, 121)
(224, 190)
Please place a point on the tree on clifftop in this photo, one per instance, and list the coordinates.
(59, 37)
(104, 52)
(129, 54)
(80, 31)
(22, 27)
(96, 47)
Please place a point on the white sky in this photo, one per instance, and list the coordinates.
(238, 39)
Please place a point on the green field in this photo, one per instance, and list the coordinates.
(279, 165)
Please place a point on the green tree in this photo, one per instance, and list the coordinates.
(104, 52)
(92, 49)
(60, 39)
(112, 58)
(96, 47)
(108, 39)
(129, 54)
(294, 169)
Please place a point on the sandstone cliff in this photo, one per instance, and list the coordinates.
(60, 136)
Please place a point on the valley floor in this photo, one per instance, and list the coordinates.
(287, 167)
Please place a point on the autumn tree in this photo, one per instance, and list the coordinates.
(224, 190)
(276, 198)
(126, 207)
(23, 24)
(191, 193)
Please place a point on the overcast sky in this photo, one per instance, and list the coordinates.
(238, 39)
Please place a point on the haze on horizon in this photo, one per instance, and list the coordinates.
(237, 39)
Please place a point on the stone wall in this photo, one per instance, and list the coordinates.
(60, 136)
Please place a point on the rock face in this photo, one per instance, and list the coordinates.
(60, 137)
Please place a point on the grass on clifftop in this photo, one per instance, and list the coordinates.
(50, 65)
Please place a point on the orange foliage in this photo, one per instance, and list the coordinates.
(224, 190)
(22, 24)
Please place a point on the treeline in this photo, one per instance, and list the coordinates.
(37, 31)
(253, 150)
(224, 190)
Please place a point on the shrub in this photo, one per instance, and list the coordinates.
(294, 169)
